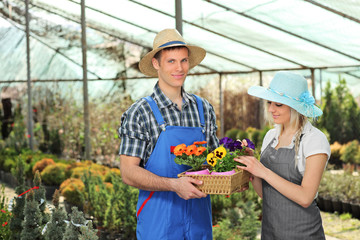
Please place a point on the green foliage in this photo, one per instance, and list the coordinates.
(17, 138)
(344, 187)
(39, 196)
(238, 223)
(341, 114)
(56, 227)
(96, 197)
(227, 163)
(350, 152)
(223, 231)
(9, 164)
(5, 216)
(72, 189)
(88, 233)
(19, 202)
(221, 203)
(122, 213)
(232, 133)
(32, 221)
(6, 153)
(54, 174)
(78, 227)
(114, 209)
(242, 135)
(72, 231)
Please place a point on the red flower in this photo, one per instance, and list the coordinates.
(172, 149)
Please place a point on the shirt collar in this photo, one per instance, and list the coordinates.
(307, 128)
(163, 101)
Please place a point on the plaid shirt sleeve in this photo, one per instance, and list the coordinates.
(133, 134)
(211, 127)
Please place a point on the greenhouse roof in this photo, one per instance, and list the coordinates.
(240, 37)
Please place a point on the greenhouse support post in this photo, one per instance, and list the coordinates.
(313, 82)
(29, 118)
(261, 104)
(178, 16)
(85, 83)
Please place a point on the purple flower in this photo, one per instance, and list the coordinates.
(225, 140)
(250, 144)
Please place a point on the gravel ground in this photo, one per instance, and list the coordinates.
(336, 227)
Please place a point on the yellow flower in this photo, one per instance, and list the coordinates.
(211, 159)
(220, 152)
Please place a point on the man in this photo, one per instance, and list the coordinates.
(168, 207)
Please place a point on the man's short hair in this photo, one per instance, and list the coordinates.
(157, 56)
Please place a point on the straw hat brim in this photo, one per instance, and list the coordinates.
(196, 55)
(264, 93)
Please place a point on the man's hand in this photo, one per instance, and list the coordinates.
(184, 188)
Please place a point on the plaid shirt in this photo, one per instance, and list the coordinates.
(139, 129)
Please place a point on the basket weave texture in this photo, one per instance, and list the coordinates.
(221, 184)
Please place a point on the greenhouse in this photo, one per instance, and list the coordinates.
(69, 70)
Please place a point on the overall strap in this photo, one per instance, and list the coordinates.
(156, 112)
(201, 111)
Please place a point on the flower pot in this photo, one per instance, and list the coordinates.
(224, 173)
(200, 172)
(320, 203)
(346, 207)
(49, 191)
(337, 206)
(2, 175)
(328, 205)
(355, 210)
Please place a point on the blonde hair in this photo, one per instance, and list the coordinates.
(298, 121)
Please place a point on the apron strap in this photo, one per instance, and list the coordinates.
(200, 110)
(156, 111)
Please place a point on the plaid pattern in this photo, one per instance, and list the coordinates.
(139, 130)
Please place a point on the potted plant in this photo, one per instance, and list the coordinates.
(52, 176)
(222, 158)
(349, 153)
(220, 162)
(193, 155)
(72, 189)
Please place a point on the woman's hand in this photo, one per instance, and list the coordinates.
(248, 151)
(252, 165)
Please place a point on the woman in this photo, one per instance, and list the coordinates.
(293, 157)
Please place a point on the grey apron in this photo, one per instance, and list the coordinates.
(282, 218)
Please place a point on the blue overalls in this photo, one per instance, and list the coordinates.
(163, 214)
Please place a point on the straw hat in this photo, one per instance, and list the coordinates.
(165, 39)
(290, 89)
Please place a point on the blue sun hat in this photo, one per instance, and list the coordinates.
(290, 89)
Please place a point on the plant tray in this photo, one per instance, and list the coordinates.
(221, 184)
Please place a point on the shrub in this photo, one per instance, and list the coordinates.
(110, 173)
(42, 164)
(9, 164)
(72, 189)
(70, 168)
(54, 174)
(335, 150)
(242, 135)
(232, 133)
(5, 215)
(350, 152)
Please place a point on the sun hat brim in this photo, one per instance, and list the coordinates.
(301, 107)
(196, 55)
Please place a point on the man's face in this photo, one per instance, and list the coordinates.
(173, 67)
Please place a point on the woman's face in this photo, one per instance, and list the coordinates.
(280, 112)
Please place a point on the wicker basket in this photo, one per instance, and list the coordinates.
(221, 184)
